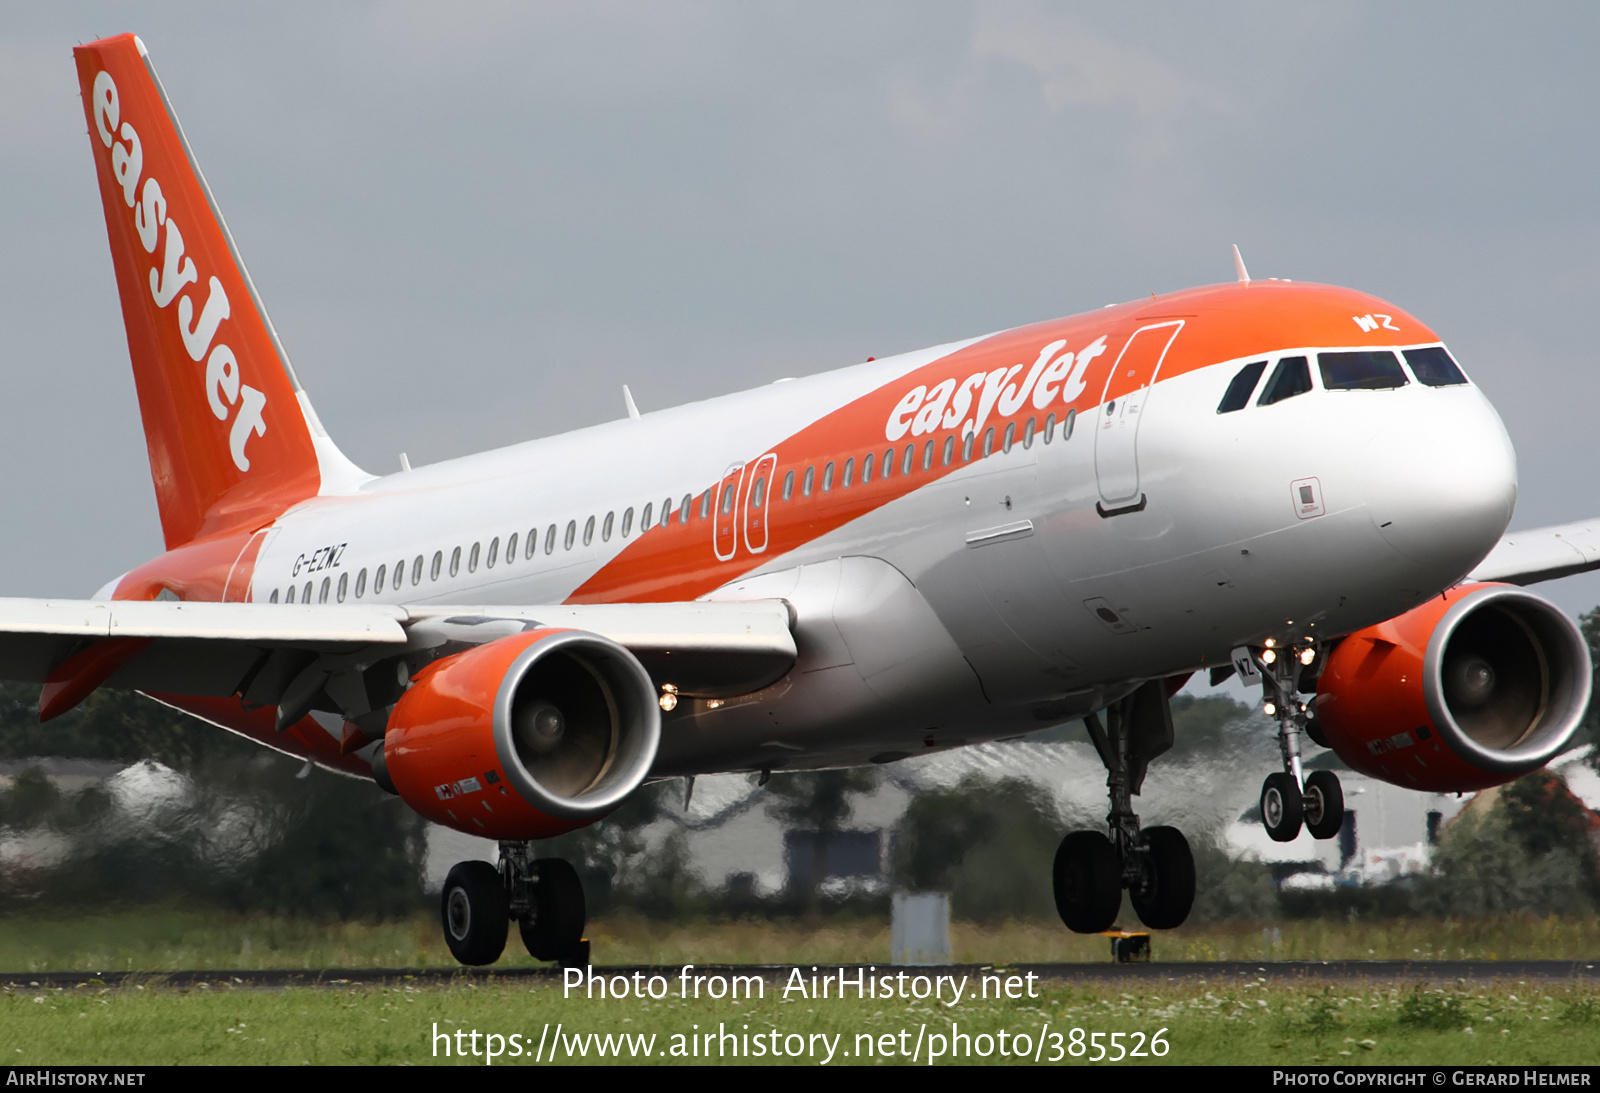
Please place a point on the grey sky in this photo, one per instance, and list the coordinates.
(473, 223)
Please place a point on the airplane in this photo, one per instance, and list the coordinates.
(1295, 483)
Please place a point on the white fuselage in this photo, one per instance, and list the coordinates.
(992, 599)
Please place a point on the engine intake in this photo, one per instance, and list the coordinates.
(524, 737)
(1475, 688)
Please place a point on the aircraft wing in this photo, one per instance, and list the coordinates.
(259, 651)
(1542, 554)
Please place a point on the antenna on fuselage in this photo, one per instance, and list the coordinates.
(627, 396)
(1238, 266)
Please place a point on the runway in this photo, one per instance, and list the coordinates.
(1481, 972)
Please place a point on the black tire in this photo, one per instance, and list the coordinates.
(1088, 882)
(1324, 804)
(555, 926)
(1164, 900)
(472, 909)
(1281, 808)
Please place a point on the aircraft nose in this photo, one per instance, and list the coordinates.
(1441, 490)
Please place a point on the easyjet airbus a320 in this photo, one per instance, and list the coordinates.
(1056, 523)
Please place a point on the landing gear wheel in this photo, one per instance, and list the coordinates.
(473, 910)
(1324, 804)
(555, 925)
(1163, 901)
(1281, 809)
(1088, 882)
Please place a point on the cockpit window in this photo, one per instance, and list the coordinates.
(1433, 367)
(1363, 370)
(1292, 377)
(1239, 391)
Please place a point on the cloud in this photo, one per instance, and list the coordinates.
(1076, 67)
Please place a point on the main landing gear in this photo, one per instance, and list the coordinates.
(1154, 864)
(1291, 798)
(542, 895)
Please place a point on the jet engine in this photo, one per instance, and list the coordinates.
(1471, 689)
(524, 737)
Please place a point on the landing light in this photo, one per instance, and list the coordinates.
(669, 697)
(1270, 709)
(1269, 656)
(1307, 656)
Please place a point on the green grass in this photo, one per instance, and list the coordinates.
(167, 940)
(1526, 1023)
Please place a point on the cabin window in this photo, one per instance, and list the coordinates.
(849, 473)
(416, 570)
(1291, 377)
(728, 497)
(1049, 428)
(788, 485)
(274, 597)
(949, 449)
(571, 536)
(322, 593)
(927, 455)
(1027, 433)
(666, 512)
(683, 509)
(437, 567)
(1067, 423)
(988, 442)
(606, 525)
(305, 593)
(361, 584)
(377, 581)
(827, 477)
(966, 447)
(758, 492)
(705, 505)
(289, 596)
(549, 539)
(1433, 367)
(644, 519)
(1363, 370)
(907, 461)
(1241, 387)
(810, 481)
(588, 531)
(1010, 434)
(344, 586)
(494, 553)
(627, 522)
(455, 562)
(472, 559)
(511, 550)
(888, 463)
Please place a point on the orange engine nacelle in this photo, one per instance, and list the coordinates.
(525, 737)
(1474, 688)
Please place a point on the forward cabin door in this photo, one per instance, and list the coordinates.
(1127, 393)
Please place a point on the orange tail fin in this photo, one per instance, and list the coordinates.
(232, 440)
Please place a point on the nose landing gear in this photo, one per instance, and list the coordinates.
(1154, 864)
(542, 895)
(1291, 798)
